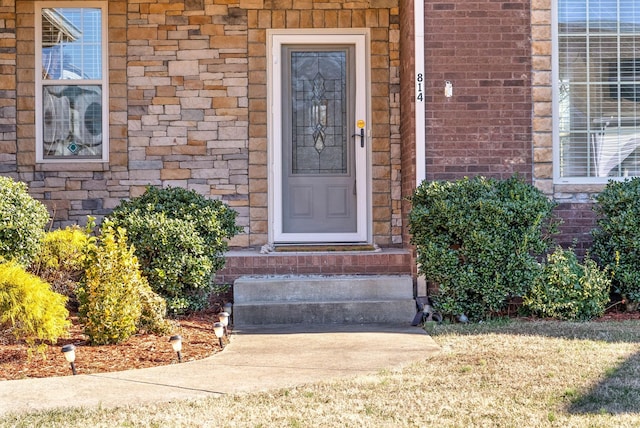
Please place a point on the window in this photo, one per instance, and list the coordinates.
(597, 90)
(71, 81)
(624, 77)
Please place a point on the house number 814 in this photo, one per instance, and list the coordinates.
(419, 89)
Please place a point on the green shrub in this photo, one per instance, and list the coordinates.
(180, 238)
(111, 297)
(22, 222)
(569, 290)
(153, 312)
(616, 240)
(29, 307)
(64, 249)
(63, 257)
(477, 241)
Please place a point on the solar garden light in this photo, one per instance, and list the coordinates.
(176, 343)
(69, 352)
(218, 329)
(224, 319)
(228, 308)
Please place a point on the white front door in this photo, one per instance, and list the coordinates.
(318, 137)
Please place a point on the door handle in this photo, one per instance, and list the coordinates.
(361, 135)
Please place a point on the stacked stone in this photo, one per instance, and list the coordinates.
(8, 149)
(187, 85)
(188, 96)
(381, 17)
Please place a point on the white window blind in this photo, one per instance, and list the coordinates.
(598, 89)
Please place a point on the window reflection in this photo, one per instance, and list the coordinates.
(599, 88)
(71, 43)
(72, 120)
(72, 113)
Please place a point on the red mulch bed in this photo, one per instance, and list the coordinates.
(619, 316)
(140, 351)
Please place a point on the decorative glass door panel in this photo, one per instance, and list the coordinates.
(319, 184)
(319, 113)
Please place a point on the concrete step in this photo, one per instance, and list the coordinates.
(331, 312)
(318, 299)
(279, 288)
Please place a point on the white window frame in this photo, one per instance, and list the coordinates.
(555, 87)
(103, 82)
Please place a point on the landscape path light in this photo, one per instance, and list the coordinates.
(224, 319)
(218, 329)
(176, 343)
(69, 352)
(228, 308)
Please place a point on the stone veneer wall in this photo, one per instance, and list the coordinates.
(8, 148)
(381, 16)
(187, 88)
(188, 99)
(574, 201)
(71, 190)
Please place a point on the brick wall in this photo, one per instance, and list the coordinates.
(483, 49)
(497, 54)
(407, 112)
(578, 221)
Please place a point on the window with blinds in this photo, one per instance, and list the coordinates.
(598, 89)
(71, 85)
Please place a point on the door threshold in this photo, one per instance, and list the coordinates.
(325, 248)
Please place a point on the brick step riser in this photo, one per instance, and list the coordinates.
(242, 263)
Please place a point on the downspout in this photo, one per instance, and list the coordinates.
(418, 16)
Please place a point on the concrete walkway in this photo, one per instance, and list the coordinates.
(257, 359)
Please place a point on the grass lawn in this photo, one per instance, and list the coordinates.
(499, 374)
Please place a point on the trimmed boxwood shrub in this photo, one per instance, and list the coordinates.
(22, 222)
(477, 240)
(616, 240)
(569, 290)
(180, 238)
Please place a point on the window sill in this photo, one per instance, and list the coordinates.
(72, 166)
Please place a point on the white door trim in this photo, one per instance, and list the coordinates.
(275, 40)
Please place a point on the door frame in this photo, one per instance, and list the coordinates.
(359, 38)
